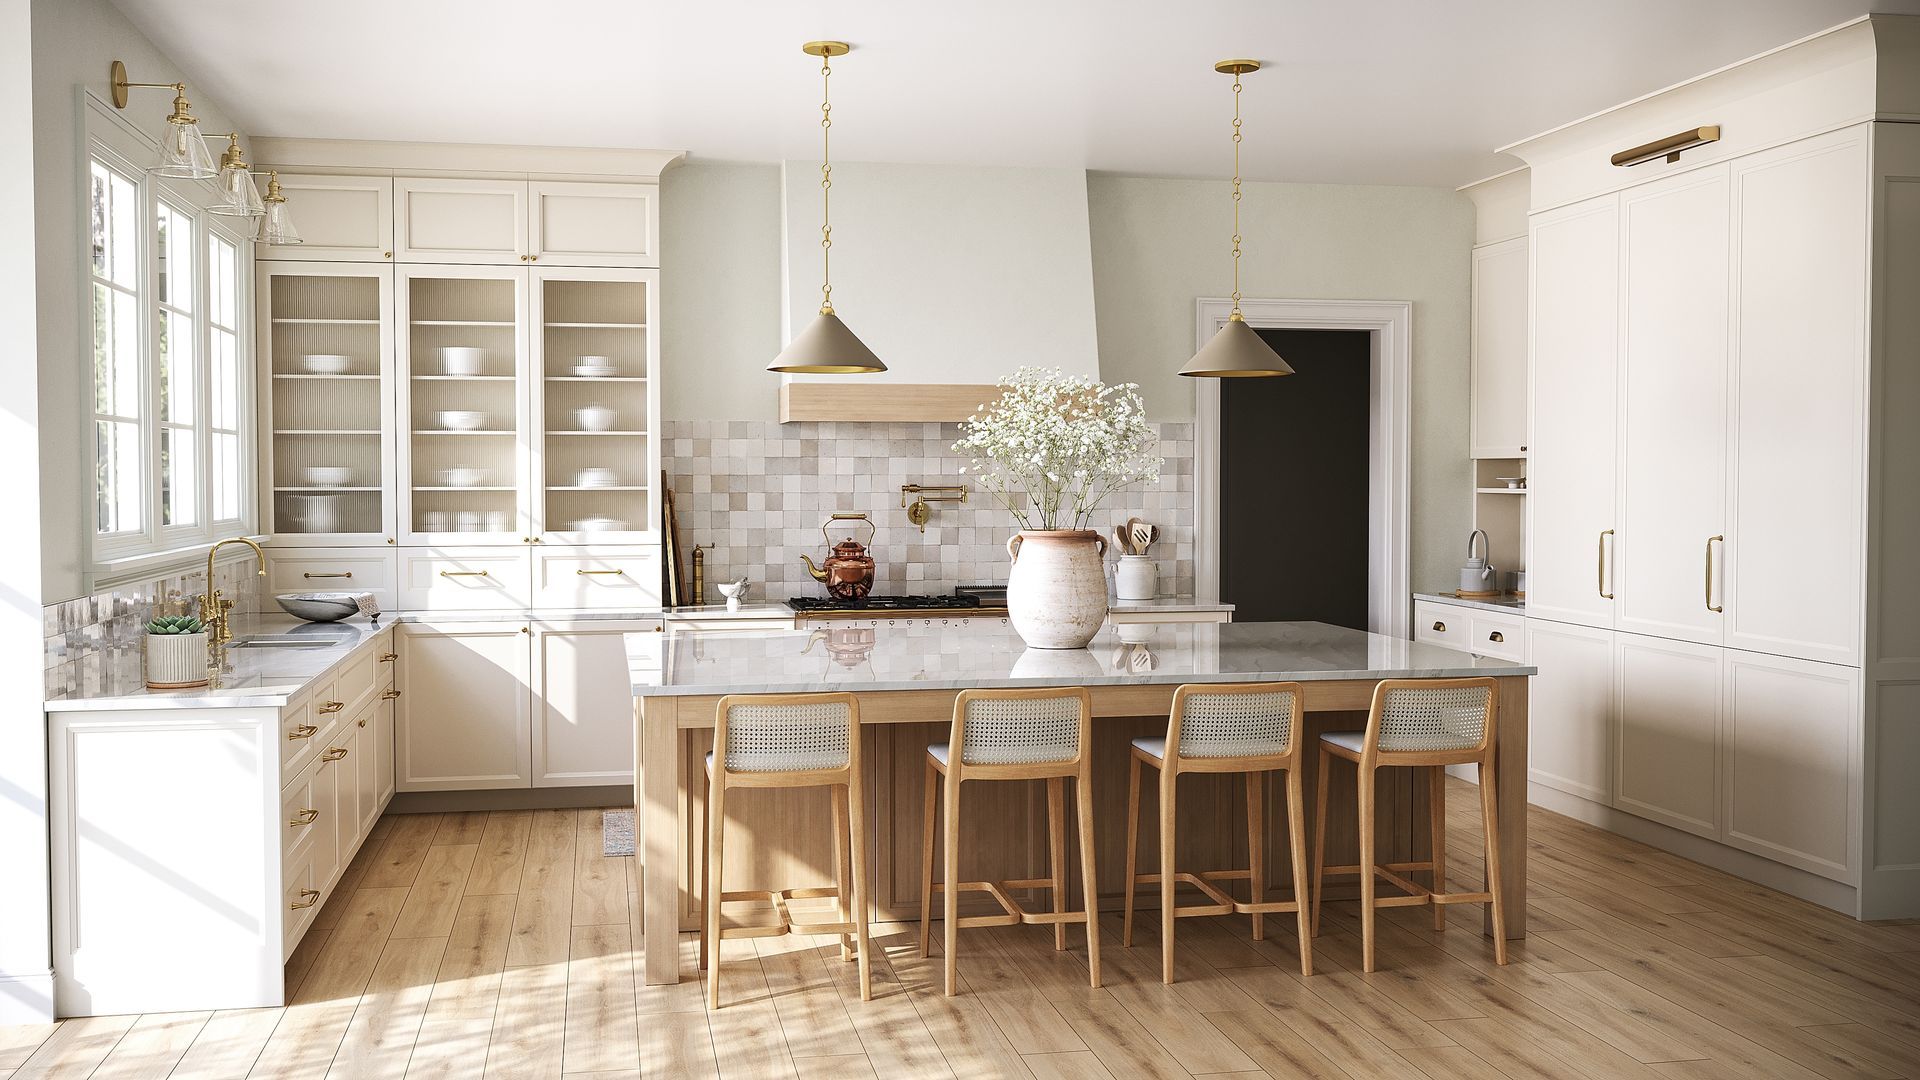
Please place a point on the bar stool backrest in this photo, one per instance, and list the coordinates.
(786, 733)
(1021, 727)
(1432, 716)
(1248, 723)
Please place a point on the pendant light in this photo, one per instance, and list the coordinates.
(826, 346)
(1236, 351)
(183, 153)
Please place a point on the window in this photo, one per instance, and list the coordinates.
(170, 359)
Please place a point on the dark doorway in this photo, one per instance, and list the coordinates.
(1293, 483)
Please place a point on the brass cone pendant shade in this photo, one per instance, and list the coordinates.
(1236, 351)
(826, 346)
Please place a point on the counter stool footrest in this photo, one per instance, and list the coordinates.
(1015, 914)
(1419, 894)
(738, 925)
(1222, 903)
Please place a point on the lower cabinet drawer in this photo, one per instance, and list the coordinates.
(1502, 636)
(595, 578)
(1439, 624)
(469, 579)
(301, 902)
(301, 723)
(301, 817)
(333, 570)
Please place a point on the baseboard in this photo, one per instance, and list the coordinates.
(564, 798)
(26, 999)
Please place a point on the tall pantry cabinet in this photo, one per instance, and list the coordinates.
(1725, 482)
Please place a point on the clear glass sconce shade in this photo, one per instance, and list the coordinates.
(276, 227)
(184, 154)
(239, 196)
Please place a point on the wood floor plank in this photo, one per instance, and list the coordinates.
(1072, 1065)
(460, 828)
(386, 1024)
(1273, 1047)
(434, 900)
(1115, 1036)
(502, 853)
(1891, 1057)
(76, 1048)
(529, 1028)
(19, 1041)
(341, 970)
(960, 1026)
(679, 1044)
(602, 1032)
(747, 1040)
(811, 1012)
(227, 1045)
(543, 915)
(1182, 1032)
(895, 1038)
(309, 949)
(397, 862)
(834, 1067)
(467, 986)
(152, 1046)
(599, 881)
(1882, 1015)
(1451, 1063)
(1013, 997)
(1687, 1026)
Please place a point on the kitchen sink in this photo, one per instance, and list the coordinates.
(281, 643)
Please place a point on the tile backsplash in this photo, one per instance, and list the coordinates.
(759, 492)
(92, 639)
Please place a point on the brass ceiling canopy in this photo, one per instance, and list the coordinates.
(826, 346)
(1236, 351)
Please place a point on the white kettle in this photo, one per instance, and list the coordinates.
(1478, 576)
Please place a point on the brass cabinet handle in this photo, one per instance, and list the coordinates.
(362, 721)
(388, 658)
(308, 898)
(334, 753)
(390, 694)
(307, 816)
(336, 574)
(386, 254)
(328, 708)
(1711, 606)
(1440, 626)
(1600, 566)
(591, 573)
(1496, 636)
(303, 731)
(463, 573)
(533, 258)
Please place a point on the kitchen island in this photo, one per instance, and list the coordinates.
(907, 679)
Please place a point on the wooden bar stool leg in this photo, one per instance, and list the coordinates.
(842, 864)
(1320, 835)
(1133, 851)
(716, 858)
(1090, 882)
(1168, 783)
(1297, 844)
(1365, 781)
(926, 859)
(856, 836)
(1256, 853)
(1437, 810)
(951, 940)
(1490, 811)
(700, 893)
(1057, 853)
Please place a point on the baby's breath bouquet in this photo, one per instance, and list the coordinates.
(1055, 445)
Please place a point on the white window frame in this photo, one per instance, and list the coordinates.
(113, 140)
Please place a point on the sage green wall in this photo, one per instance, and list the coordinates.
(1159, 244)
(720, 233)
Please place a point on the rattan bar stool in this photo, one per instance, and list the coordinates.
(1248, 729)
(1014, 735)
(788, 741)
(1417, 723)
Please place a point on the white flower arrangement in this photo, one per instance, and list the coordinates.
(1054, 446)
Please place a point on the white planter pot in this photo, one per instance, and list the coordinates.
(176, 660)
(1136, 578)
(1056, 591)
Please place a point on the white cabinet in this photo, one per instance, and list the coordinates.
(466, 722)
(1797, 391)
(460, 221)
(1570, 709)
(1571, 458)
(336, 786)
(464, 579)
(1666, 758)
(1498, 386)
(594, 224)
(302, 569)
(583, 703)
(1791, 740)
(372, 764)
(587, 577)
(1673, 406)
(1440, 624)
(340, 218)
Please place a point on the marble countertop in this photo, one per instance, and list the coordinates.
(1510, 604)
(1167, 604)
(993, 655)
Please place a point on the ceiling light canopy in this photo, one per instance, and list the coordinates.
(826, 346)
(1236, 351)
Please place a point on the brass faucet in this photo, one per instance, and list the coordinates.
(213, 606)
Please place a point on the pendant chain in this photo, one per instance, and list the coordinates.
(1236, 194)
(826, 191)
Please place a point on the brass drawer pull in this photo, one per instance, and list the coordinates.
(388, 658)
(303, 731)
(1440, 626)
(328, 708)
(334, 753)
(1711, 606)
(390, 694)
(591, 573)
(307, 816)
(1600, 566)
(308, 898)
(338, 574)
(464, 573)
(1496, 636)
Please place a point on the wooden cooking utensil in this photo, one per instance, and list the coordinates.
(1123, 539)
(1142, 536)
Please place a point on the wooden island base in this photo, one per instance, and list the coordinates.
(782, 839)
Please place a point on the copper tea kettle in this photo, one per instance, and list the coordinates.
(847, 571)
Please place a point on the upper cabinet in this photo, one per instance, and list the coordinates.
(594, 224)
(1499, 385)
(460, 221)
(340, 218)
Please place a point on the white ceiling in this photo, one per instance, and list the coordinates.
(1355, 91)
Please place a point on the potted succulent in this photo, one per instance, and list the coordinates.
(176, 652)
(1051, 449)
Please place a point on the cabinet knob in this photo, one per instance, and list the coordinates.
(304, 731)
(1496, 636)
(526, 630)
(307, 816)
(386, 254)
(362, 721)
(1440, 626)
(533, 258)
(308, 898)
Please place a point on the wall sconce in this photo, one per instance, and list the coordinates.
(276, 225)
(183, 153)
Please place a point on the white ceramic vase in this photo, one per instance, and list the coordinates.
(1135, 578)
(176, 660)
(1057, 590)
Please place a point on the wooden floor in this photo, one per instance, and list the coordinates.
(505, 945)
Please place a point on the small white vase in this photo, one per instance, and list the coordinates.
(176, 660)
(1056, 591)
(1136, 578)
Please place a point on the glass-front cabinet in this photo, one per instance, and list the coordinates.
(326, 356)
(596, 459)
